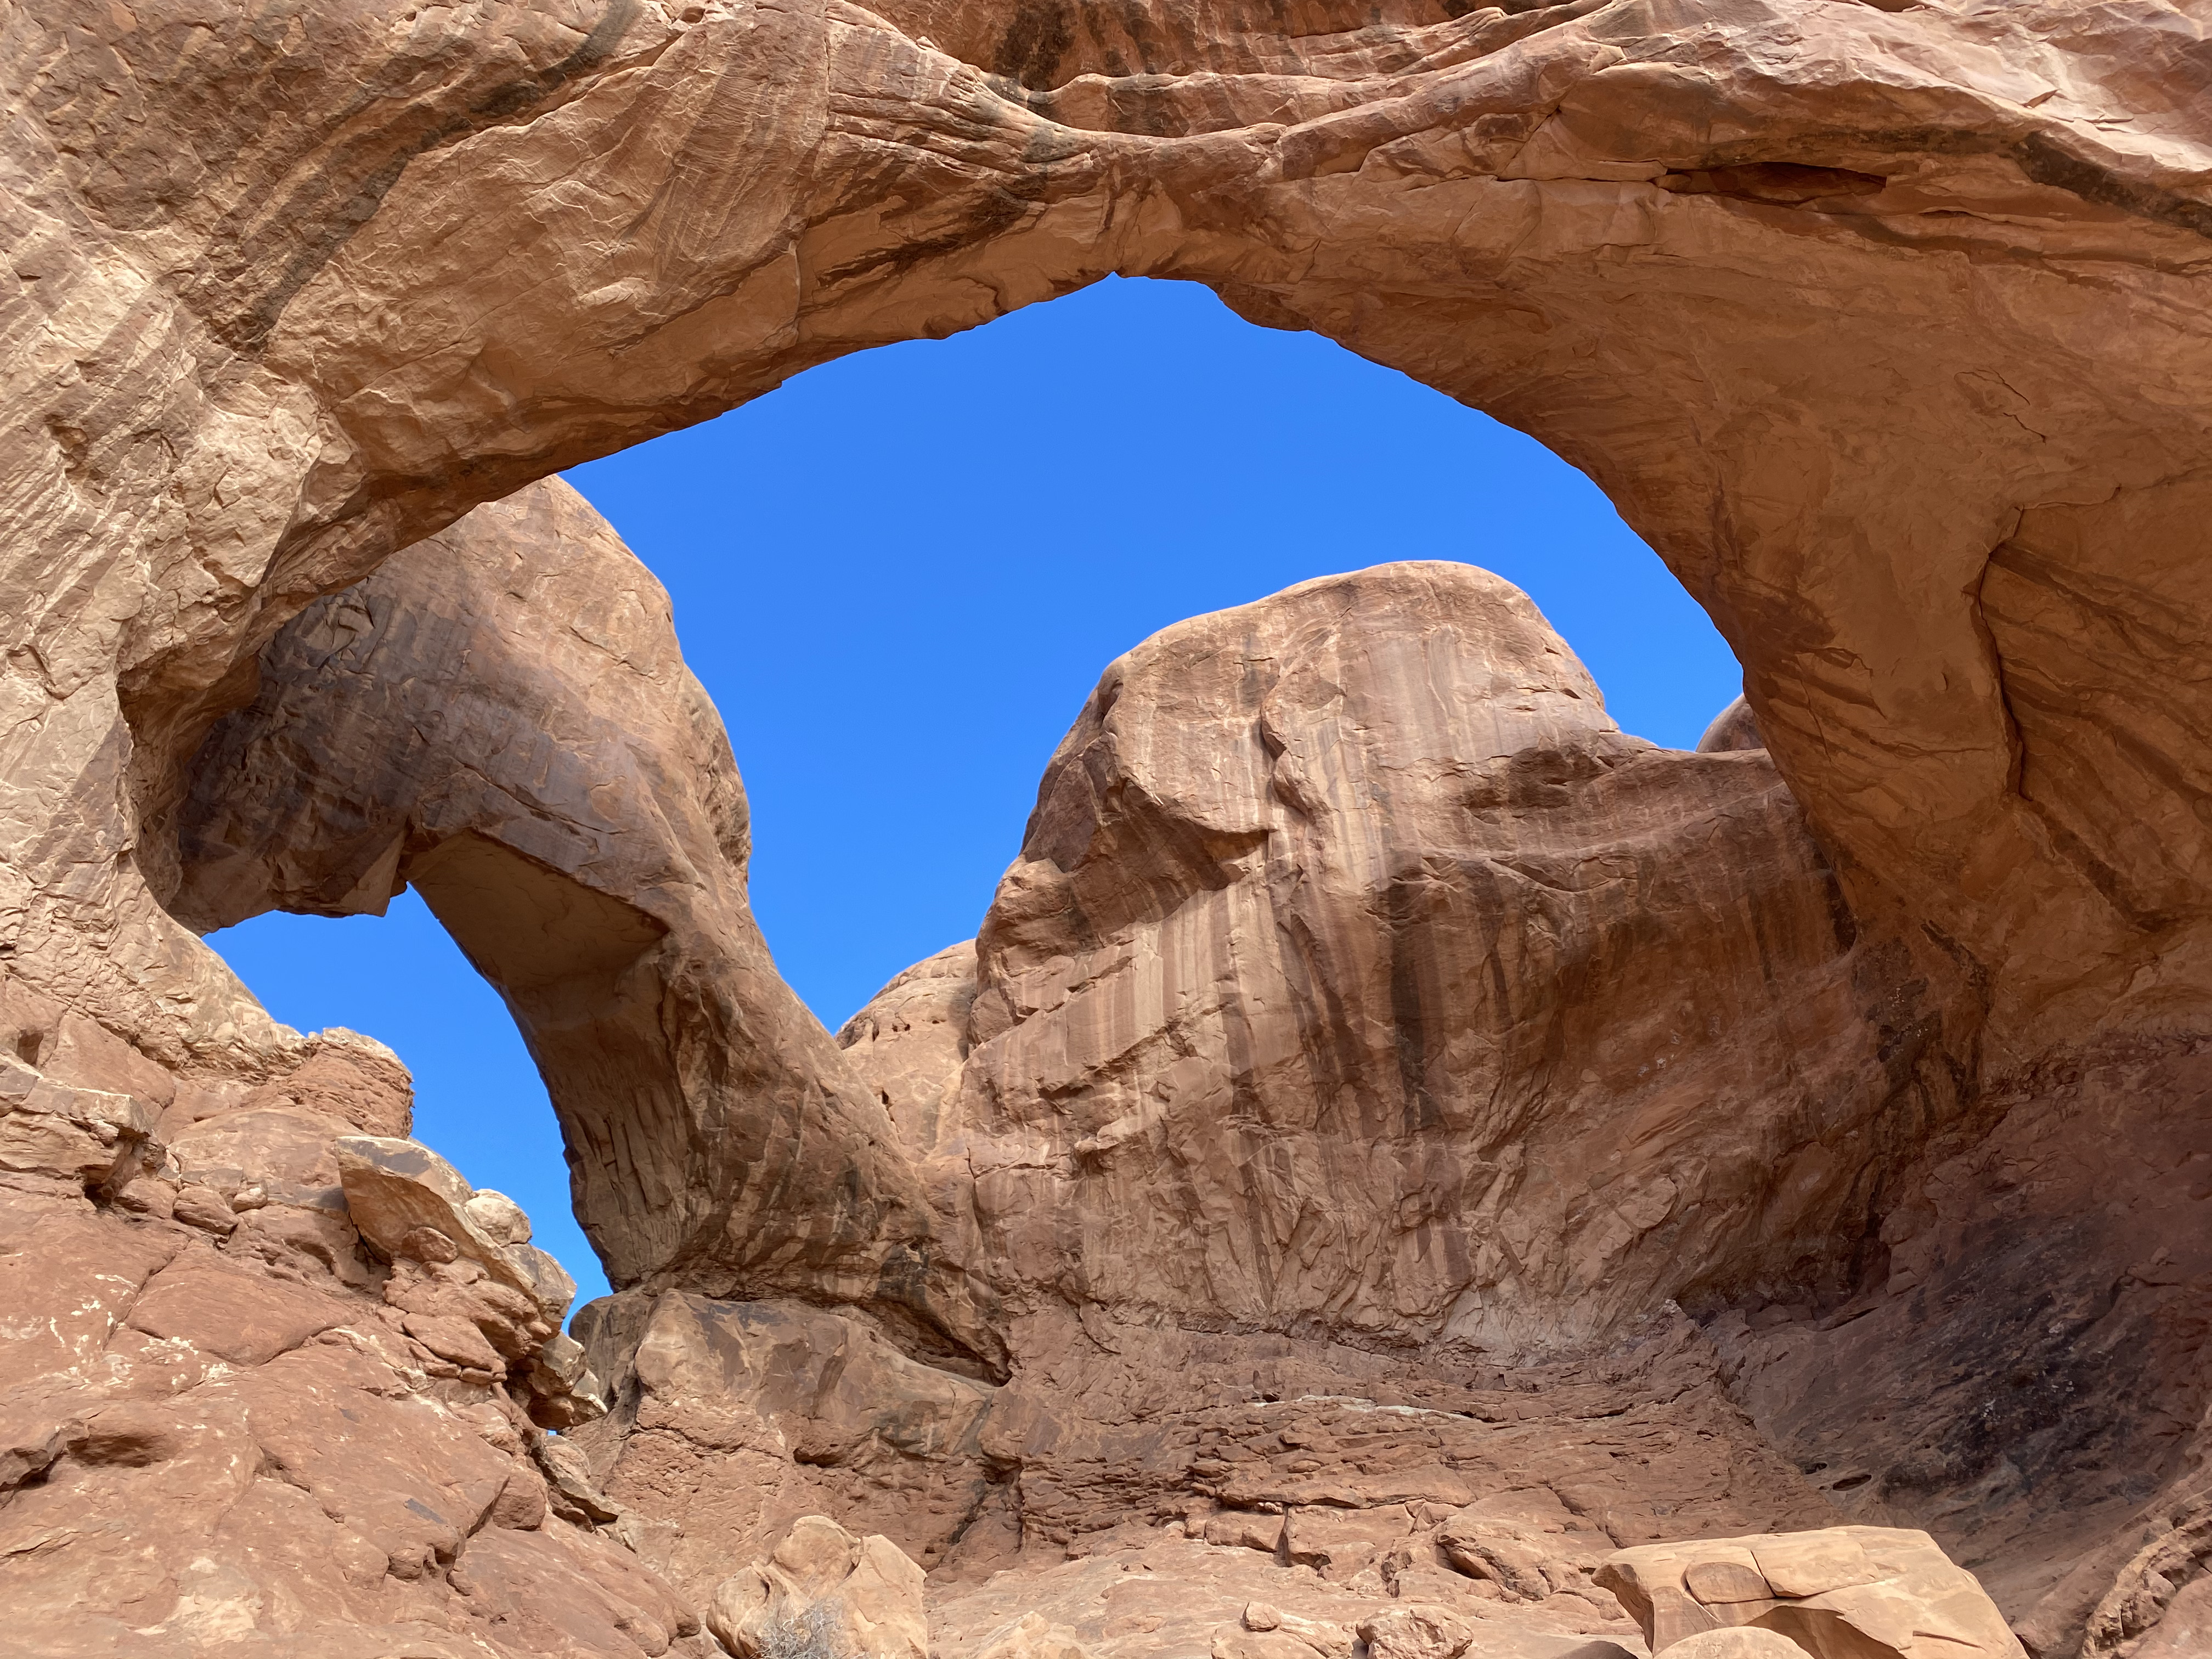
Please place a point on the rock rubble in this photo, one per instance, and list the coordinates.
(244, 1409)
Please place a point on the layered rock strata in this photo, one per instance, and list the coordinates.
(1283, 1273)
(731, 1420)
(1184, 1082)
(1879, 1591)
(1882, 325)
(1357, 973)
(1879, 324)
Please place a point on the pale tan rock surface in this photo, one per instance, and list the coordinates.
(1032, 1637)
(822, 1589)
(1737, 1642)
(1875, 1591)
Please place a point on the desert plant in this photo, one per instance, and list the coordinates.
(812, 1634)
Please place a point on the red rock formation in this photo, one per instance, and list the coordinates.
(1879, 1591)
(232, 1422)
(1882, 325)
(1185, 1084)
(1878, 325)
(1357, 972)
(500, 718)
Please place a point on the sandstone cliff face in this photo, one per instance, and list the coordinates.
(1290, 852)
(245, 1412)
(1332, 1478)
(1357, 972)
(1360, 982)
(1882, 325)
(1879, 326)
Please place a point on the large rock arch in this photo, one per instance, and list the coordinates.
(1847, 308)
(1882, 325)
(500, 718)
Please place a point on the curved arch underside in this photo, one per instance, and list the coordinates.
(1884, 326)
(1878, 325)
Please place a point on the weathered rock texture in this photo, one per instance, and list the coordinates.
(1360, 980)
(731, 1420)
(1885, 327)
(1357, 972)
(1879, 1591)
(237, 1422)
(1361, 983)
(1879, 324)
(500, 718)
(824, 1590)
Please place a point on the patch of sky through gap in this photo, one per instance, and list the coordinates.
(899, 576)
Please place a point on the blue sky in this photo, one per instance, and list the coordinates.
(900, 574)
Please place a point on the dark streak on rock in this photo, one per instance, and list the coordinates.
(2047, 161)
(248, 331)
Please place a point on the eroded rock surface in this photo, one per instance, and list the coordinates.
(1136, 1040)
(500, 718)
(1881, 1592)
(733, 1420)
(822, 1589)
(1176, 1099)
(231, 1426)
(1884, 326)
(1357, 971)
(1795, 280)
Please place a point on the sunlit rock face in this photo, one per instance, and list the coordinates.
(1360, 987)
(1358, 972)
(1879, 325)
(277, 1377)
(1884, 327)
(1359, 979)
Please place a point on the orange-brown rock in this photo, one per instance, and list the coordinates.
(733, 1420)
(224, 1430)
(1357, 972)
(1734, 727)
(500, 718)
(1165, 1594)
(1883, 326)
(1796, 280)
(1287, 1467)
(1282, 845)
(1104, 1064)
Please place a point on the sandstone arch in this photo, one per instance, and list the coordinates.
(1643, 232)
(500, 718)
(1881, 325)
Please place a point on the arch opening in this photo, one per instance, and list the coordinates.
(1879, 324)
(897, 733)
